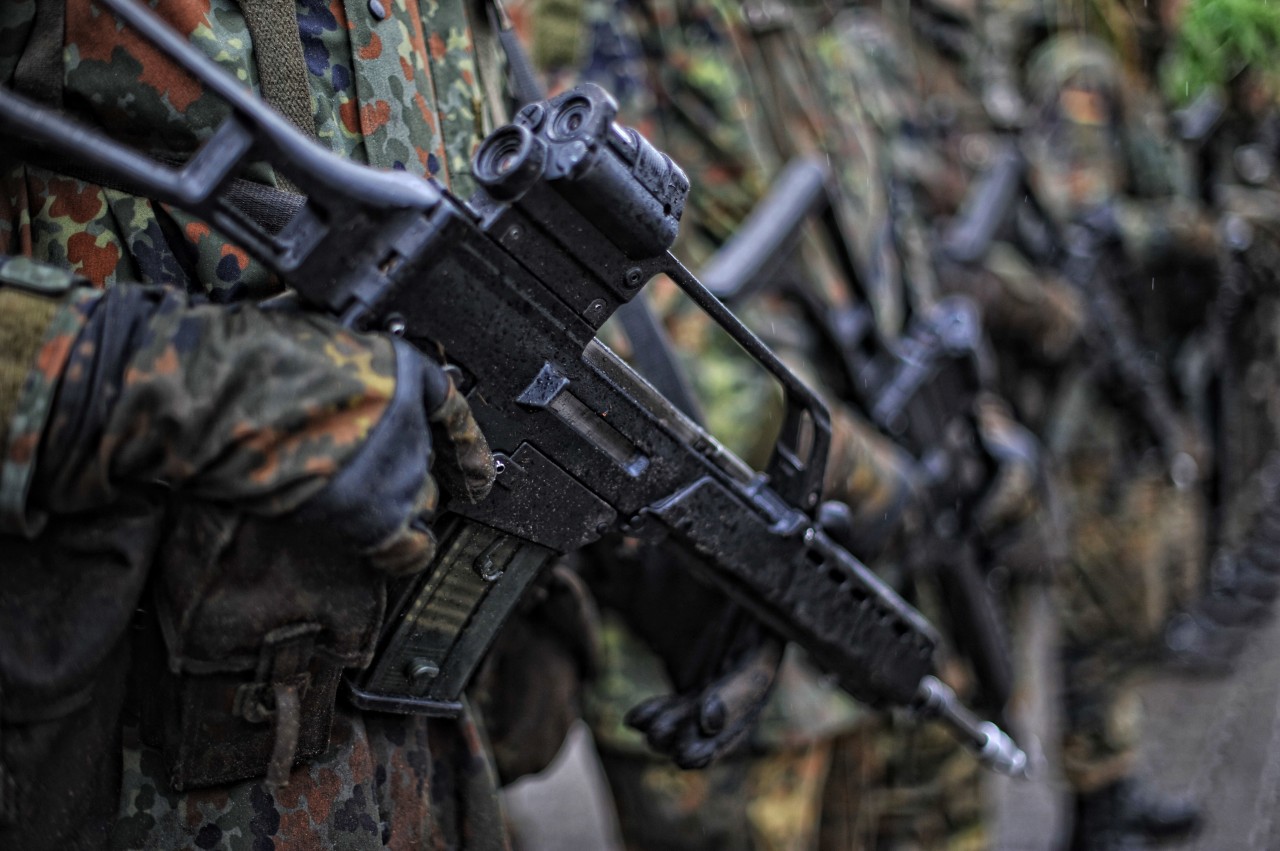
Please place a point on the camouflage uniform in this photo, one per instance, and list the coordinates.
(1138, 540)
(396, 84)
(1240, 363)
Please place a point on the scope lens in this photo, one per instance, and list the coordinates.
(502, 153)
(506, 162)
(570, 118)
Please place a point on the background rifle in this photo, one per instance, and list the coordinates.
(575, 215)
(920, 389)
(1084, 253)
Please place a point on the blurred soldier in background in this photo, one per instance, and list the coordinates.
(949, 133)
(734, 96)
(678, 71)
(1231, 129)
(1130, 480)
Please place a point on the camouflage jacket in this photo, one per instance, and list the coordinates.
(1101, 139)
(398, 84)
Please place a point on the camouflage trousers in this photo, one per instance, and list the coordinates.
(897, 786)
(883, 787)
(1137, 555)
(769, 802)
(386, 781)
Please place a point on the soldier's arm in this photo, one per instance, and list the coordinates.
(1175, 228)
(875, 478)
(272, 412)
(1022, 304)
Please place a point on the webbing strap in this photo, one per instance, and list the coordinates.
(267, 206)
(277, 51)
(39, 73)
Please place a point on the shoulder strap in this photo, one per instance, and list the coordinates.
(277, 51)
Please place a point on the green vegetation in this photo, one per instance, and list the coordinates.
(1218, 39)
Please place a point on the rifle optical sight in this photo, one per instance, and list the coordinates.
(508, 162)
(629, 190)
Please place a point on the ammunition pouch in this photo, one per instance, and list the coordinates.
(258, 620)
(67, 599)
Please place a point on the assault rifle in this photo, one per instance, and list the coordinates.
(920, 389)
(575, 214)
(1083, 250)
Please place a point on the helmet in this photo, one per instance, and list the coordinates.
(1076, 60)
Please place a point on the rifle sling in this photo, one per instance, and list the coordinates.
(277, 52)
(268, 207)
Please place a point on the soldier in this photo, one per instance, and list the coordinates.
(1137, 522)
(770, 796)
(1035, 316)
(162, 436)
(1231, 126)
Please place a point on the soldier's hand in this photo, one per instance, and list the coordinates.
(1014, 493)
(697, 727)
(1189, 455)
(1194, 232)
(1063, 317)
(719, 659)
(463, 464)
(273, 412)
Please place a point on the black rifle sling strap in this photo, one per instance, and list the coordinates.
(268, 207)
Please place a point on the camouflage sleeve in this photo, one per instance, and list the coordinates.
(1015, 492)
(872, 475)
(865, 470)
(41, 313)
(237, 405)
(1029, 307)
(273, 412)
(1155, 229)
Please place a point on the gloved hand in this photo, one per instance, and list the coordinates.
(719, 660)
(1194, 232)
(698, 726)
(1014, 494)
(271, 411)
(1062, 316)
